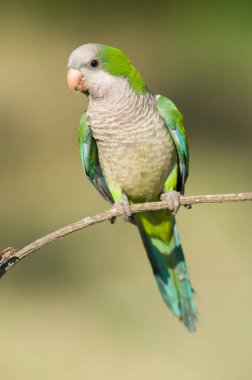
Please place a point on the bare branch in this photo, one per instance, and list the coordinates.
(9, 256)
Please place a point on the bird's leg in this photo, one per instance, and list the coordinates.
(123, 207)
(121, 204)
(172, 199)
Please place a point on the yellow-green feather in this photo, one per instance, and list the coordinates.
(156, 224)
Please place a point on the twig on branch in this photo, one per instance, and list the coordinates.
(9, 256)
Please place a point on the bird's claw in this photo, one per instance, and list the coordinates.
(172, 198)
(188, 206)
(123, 207)
(112, 220)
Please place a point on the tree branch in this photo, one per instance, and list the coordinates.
(9, 256)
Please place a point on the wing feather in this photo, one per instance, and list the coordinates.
(90, 159)
(174, 122)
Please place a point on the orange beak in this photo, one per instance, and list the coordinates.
(75, 80)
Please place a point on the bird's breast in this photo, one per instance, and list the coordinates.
(136, 150)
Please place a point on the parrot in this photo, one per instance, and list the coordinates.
(134, 149)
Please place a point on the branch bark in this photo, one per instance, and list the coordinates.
(10, 256)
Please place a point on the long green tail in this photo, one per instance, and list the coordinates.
(160, 237)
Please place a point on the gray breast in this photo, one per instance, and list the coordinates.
(136, 150)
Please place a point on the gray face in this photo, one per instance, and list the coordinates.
(97, 82)
(82, 56)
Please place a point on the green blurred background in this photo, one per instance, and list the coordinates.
(87, 306)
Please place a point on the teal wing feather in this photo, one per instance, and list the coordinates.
(174, 121)
(90, 159)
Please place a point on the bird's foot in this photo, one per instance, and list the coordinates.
(123, 207)
(112, 220)
(172, 199)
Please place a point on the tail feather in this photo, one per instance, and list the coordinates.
(170, 270)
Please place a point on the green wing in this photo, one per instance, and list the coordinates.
(90, 159)
(174, 121)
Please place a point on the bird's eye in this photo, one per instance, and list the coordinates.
(94, 63)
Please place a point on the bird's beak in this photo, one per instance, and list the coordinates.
(75, 80)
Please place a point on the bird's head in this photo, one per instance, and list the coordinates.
(95, 68)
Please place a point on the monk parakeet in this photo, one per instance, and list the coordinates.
(134, 149)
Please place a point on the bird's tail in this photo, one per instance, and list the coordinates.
(160, 237)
